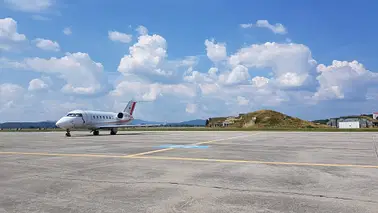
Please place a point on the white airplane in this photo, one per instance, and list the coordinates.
(96, 120)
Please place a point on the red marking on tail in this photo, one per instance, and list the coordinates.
(132, 108)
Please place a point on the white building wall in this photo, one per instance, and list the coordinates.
(349, 124)
(375, 116)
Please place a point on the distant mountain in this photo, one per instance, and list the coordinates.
(138, 121)
(28, 125)
(196, 122)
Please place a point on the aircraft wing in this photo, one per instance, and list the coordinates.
(110, 126)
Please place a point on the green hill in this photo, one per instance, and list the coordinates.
(263, 119)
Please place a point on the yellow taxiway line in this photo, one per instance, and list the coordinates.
(190, 159)
(149, 152)
(256, 162)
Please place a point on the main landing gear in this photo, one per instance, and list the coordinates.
(113, 131)
(96, 132)
(68, 134)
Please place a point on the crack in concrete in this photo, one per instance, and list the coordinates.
(214, 187)
(375, 147)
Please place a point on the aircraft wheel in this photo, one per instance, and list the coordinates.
(96, 132)
(113, 131)
(68, 134)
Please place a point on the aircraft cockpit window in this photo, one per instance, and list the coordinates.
(75, 115)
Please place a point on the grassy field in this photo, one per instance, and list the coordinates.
(210, 129)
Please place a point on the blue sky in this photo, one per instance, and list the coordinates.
(310, 59)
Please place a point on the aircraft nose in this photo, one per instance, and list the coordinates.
(63, 123)
(59, 123)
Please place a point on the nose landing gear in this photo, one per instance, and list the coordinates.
(68, 134)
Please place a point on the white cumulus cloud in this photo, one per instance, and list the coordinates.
(118, 36)
(215, 51)
(9, 35)
(67, 31)
(344, 80)
(142, 30)
(259, 81)
(6, 63)
(82, 74)
(209, 89)
(277, 28)
(146, 57)
(238, 75)
(30, 5)
(46, 44)
(37, 85)
(292, 64)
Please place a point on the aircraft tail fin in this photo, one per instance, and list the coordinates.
(130, 107)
